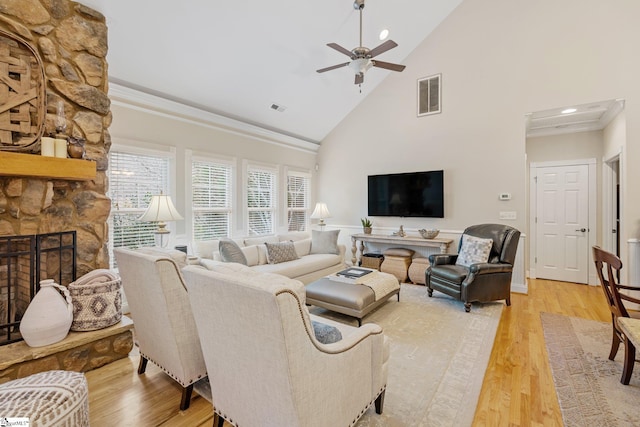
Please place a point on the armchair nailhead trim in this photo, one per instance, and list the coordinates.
(179, 381)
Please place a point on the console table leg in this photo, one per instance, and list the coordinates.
(354, 252)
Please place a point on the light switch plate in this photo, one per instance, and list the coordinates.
(510, 215)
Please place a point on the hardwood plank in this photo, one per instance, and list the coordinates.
(517, 391)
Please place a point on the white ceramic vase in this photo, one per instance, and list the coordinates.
(48, 317)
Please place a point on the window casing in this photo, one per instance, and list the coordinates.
(211, 186)
(261, 200)
(298, 188)
(133, 179)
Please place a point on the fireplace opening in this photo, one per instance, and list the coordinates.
(24, 261)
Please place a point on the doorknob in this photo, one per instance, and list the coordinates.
(582, 229)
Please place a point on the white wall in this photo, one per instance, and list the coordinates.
(499, 59)
(146, 121)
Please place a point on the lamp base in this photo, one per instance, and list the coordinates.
(159, 235)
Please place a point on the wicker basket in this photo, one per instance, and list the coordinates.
(97, 300)
(372, 261)
(23, 107)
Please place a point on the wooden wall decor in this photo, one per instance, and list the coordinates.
(22, 95)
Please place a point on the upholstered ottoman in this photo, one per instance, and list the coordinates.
(417, 270)
(353, 298)
(52, 398)
(397, 262)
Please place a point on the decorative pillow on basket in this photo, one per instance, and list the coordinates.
(474, 250)
(281, 252)
(97, 300)
(324, 242)
(231, 252)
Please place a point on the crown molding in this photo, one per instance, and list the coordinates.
(135, 99)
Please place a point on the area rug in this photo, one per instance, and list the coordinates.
(587, 382)
(439, 354)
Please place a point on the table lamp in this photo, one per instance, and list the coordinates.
(160, 210)
(321, 212)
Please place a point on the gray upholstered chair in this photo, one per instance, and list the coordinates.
(165, 330)
(266, 367)
(487, 281)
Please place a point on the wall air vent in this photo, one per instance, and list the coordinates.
(429, 95)
(277, 107)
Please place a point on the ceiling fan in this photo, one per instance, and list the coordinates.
(362, 57)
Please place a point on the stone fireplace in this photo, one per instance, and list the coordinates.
(42, 195)
(71, 39)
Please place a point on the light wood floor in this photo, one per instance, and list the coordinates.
(517, 390)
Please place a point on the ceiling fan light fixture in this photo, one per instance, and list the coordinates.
(383, 34)
(361, 65)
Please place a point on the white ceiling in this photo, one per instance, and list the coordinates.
(236, 58)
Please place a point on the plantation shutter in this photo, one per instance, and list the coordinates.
(261, 200)
(297, 201)
(133, 179)
(211, 186)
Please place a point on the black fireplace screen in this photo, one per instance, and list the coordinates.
(24, 261)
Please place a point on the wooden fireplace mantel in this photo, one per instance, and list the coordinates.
(36, 166)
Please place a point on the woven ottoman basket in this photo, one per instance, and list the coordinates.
(47, 399)
(397, 261)
(417, 270)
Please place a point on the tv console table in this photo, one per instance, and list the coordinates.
(443, 244)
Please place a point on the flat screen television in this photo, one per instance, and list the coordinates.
(414, 194)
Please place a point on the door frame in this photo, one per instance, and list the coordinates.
(533, 208)
(608, 202)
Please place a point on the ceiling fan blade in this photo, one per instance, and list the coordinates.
(388, 66)
(333, 67)
(389, 44)
(359, 78)
(340, 49)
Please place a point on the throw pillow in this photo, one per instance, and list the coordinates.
(474, 250)
(326, 334)
(281, 252)
(324, 242)
(231, 252)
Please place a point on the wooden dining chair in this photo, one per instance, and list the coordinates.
(608, 267)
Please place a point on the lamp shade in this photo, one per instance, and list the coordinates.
(320, 212)
(161, 209)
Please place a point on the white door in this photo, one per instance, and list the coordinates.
(562, 216)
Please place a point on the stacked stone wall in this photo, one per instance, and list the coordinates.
(72, 41)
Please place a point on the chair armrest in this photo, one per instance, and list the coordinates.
(487, 268)
(351, 335)
(441, 259)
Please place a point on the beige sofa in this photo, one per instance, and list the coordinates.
(308, 268)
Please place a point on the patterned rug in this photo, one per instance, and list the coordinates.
(438, 358)
(587, 382)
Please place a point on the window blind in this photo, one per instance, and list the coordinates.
(133, 179)
(297, 202)
(261, 200)
(211, 187)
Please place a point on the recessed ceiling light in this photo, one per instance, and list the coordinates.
(384, 34)
(569, 110)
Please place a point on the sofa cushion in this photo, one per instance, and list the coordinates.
(294, 236)
(326, 334)
(301, 266)
(324, 242)
(281, 252)
(261, 240)
(231, 252)
(252, 253)
(303, 247)
(473, 250)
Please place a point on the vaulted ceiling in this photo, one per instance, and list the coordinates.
(238, 58)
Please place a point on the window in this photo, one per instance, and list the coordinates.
(297, 201)
(211, 193)
(261, 200)
(133, 179)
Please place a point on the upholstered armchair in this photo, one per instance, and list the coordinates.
(478, 278)
(165, 330)
(266, 366)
